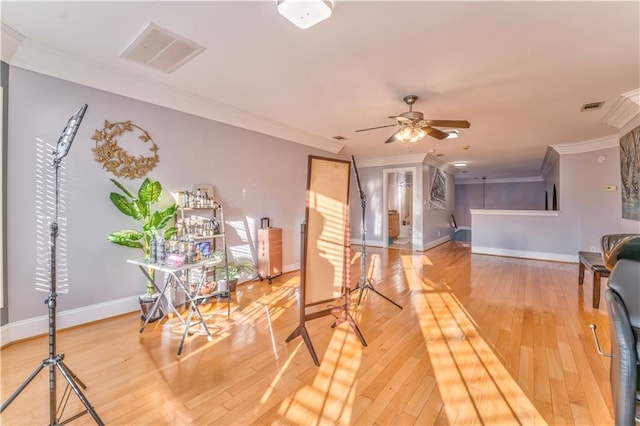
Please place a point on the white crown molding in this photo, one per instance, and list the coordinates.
(391, 161)
(435, 162)
(587, 146)
(11, 40)
(502, 180)
(550, 159)
(623, 110)
(89, 73)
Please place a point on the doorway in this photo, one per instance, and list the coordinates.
(398, 208)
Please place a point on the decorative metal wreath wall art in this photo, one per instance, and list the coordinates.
(115, 159)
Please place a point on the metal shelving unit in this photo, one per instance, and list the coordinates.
(200, 225)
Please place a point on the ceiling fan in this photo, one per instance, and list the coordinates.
(414, 127)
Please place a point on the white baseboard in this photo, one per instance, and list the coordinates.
(378, 243)
(291, 267)
(40, 325)
(558, 257)
(432, 244)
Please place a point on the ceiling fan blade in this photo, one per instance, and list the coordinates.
(379, 127)
(393, 137)
(463, 124)
(438, 134)
(401, 119)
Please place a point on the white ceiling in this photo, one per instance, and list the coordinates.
(518, 71)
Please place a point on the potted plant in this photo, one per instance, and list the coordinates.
(241, 268)
(154, 223)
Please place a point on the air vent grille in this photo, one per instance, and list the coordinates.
(161, 49)
(592, 106)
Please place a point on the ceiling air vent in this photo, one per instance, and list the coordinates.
(161, 49)
(592, 106)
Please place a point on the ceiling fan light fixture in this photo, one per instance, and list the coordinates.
(305, 13)
(410, 134)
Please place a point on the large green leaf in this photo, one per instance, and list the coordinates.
(121, 238)
(121, 202)
(170, 232)
(130, 234)
(122, 188)
(150, 192)
(143, 208)
(166, 215)
(155, 219)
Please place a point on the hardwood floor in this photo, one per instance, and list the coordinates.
(480, 340)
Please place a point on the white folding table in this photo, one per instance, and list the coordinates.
(180, 277)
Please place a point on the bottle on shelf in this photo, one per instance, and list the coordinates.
(153, 250)
(161, 249)
(173, 244)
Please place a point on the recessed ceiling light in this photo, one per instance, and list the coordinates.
(466, 147)
(453, 134)
(460, 164)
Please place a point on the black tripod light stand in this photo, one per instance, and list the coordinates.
(54, 360)
(364, 282)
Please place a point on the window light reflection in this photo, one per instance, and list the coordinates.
(462, 360)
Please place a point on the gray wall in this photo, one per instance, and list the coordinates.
(497, 196)
(253, 175)
(433, 225)
(533, 236)
(436, 222)
(601, 210)
(371, 181)
(538, 237)
(587, 211)
(4, 77)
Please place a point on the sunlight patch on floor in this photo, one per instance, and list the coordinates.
(330, 398)
(278, 376)
(267, 308)
(462, 361)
